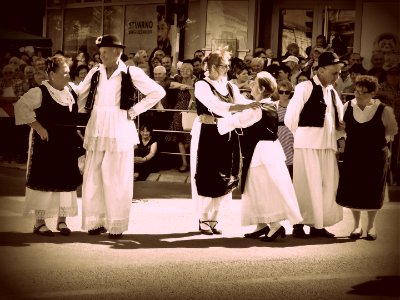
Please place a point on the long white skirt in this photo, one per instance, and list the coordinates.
(269, 195)
(107, 190)
(315, 180)
(45, 205)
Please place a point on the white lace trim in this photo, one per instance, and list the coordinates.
(112, 226)
(63, 97)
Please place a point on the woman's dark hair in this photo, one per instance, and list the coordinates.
(81, 67)
(54, 63)
(305, 74)
(146, 125)
(367, 81)
(240, 68)
(273, 70)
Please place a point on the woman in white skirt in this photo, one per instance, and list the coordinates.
(268, 196)
(52, 171)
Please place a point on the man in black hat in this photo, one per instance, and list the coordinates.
(314, 115)
(110, 137)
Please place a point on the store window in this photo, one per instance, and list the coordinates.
(113, 20)
(227, 24)
(82, 26)
(295, 27)
(54, 28)
(340, 30)
(141, 22)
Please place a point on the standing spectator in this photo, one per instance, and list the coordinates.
(11, 88)
(285, 136)
(354, 70)
(52, 172)
(343, 82)
(293, 63)
(314, 116)
(199, 54)
(198, 71)
(29, 79)
(155, 62)
(257, 65)
(247, 61)
(292, 49)
(389, 93)
(39, 64)
(141, 60)
(215, 159)
(185, 94)
(355, 58)
(79, 75)
(145, 153)
(377, 70)
(166, 62)
(370, 125)
(242, 81)
(270, 57)
(110, 137)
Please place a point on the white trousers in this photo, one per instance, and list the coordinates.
(315, 180)
(107, 190)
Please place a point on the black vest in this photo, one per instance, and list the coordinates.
(313, 113)
(129, 93)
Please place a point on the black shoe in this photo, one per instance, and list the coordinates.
(213, 229)
(258, 233)
(280, 232)
(205, 231)
(115, 236)
(298, 231)
(63, 230)
(97, 231)
(48, 232)
(355, 235)
(371, 236)
(320, 232)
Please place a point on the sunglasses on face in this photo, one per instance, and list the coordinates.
(284, 92)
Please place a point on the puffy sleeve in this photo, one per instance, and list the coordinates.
(301, 94)
(204, 94)
(390, 123)
(147, 86)
(241, 119)
(25, 107)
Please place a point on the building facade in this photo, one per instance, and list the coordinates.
(361, 26)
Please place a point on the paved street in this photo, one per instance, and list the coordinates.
(162, 256)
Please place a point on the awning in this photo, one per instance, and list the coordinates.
(12, 38)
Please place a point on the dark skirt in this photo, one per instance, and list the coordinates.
(218, 162)
(53, 164)
(363, 179)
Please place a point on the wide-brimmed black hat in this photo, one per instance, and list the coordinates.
(328, 58)
(109, 40)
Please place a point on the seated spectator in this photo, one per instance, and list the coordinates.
(146, 161)
(242, 80)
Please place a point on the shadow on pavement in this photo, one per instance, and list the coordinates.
(385, 286)
(154, 241)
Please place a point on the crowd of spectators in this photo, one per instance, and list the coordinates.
(22, 71)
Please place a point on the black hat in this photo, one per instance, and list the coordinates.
(109, 40)
(329, 58)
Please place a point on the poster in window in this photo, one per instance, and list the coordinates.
(141, 28)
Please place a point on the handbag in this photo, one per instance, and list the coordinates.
(188, 117)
